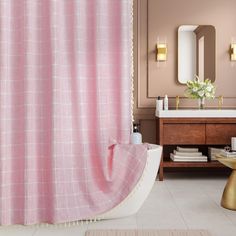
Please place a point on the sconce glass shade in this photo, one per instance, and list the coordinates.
(233, 52)
(161, 52)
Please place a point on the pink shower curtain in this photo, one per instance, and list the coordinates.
(65, 109)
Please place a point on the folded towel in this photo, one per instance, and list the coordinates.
(188, 159)
(181, 149)
(186, 154)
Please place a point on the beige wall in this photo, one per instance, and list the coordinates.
(161, 18)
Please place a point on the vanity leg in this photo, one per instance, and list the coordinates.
(161, 171)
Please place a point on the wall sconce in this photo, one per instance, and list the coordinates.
(161, 52)
(233, 51)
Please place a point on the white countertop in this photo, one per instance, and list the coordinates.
(205, 113)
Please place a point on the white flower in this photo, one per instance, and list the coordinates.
(209, 88)
(200, 89)
(200, 93)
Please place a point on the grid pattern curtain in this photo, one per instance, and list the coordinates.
(65, 109)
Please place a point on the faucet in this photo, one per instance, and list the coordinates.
(220, 102)
(177, 102)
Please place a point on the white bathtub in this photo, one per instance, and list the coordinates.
(132, 203)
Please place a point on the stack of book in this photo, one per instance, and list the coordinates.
(187, 155)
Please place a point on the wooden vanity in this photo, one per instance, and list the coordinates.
(200, 132)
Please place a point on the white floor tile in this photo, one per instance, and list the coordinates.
(125, 223)
(77, 230)
(17, 230)
(168, 220)
(179, 202)
(231, 215)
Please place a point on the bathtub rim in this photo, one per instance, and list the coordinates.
(133, 202)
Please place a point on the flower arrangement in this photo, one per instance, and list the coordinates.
(200, 89)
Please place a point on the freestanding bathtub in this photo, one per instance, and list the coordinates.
(132, 203)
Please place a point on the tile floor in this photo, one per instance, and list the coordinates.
(184, 201)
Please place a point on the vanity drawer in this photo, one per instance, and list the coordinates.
(220, 133)
(184, 134)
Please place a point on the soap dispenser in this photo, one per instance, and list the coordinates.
(136, 137)
(159, 104)
(166, 105)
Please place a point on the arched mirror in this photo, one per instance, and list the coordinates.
(196, 52)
